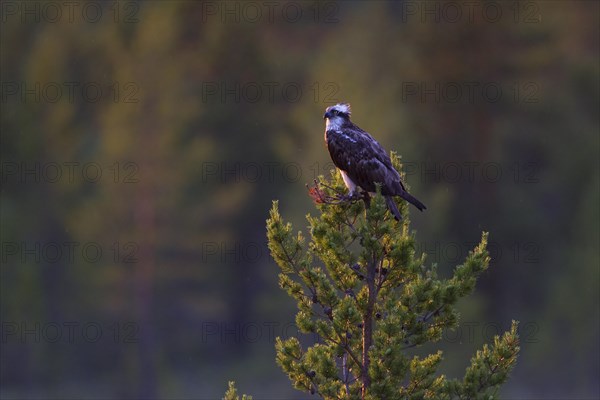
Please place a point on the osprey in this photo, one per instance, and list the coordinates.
(361, 159)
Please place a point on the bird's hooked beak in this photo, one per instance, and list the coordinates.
(327, 115)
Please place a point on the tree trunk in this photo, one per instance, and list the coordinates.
(368, 328)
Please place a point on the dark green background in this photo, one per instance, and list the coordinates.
(197, 115)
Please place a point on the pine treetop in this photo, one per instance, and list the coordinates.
(360, 286)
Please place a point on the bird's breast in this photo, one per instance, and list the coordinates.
(350, 184)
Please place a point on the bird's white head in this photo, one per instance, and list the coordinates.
(336, 115)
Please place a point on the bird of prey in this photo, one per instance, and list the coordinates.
(361, 159)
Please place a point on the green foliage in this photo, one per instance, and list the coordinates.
(232, 394)
(370, 300)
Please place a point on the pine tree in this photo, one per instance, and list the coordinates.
(370, 299)
(232, 394)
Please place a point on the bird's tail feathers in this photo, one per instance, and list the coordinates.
(391, 204)
(413, 200)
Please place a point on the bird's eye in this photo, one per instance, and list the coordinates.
(335, 112)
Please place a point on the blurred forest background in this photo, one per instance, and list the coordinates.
(143, 142)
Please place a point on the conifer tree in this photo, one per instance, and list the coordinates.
(232, 394)
(363, 291)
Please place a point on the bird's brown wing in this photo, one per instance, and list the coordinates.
(364, 160)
